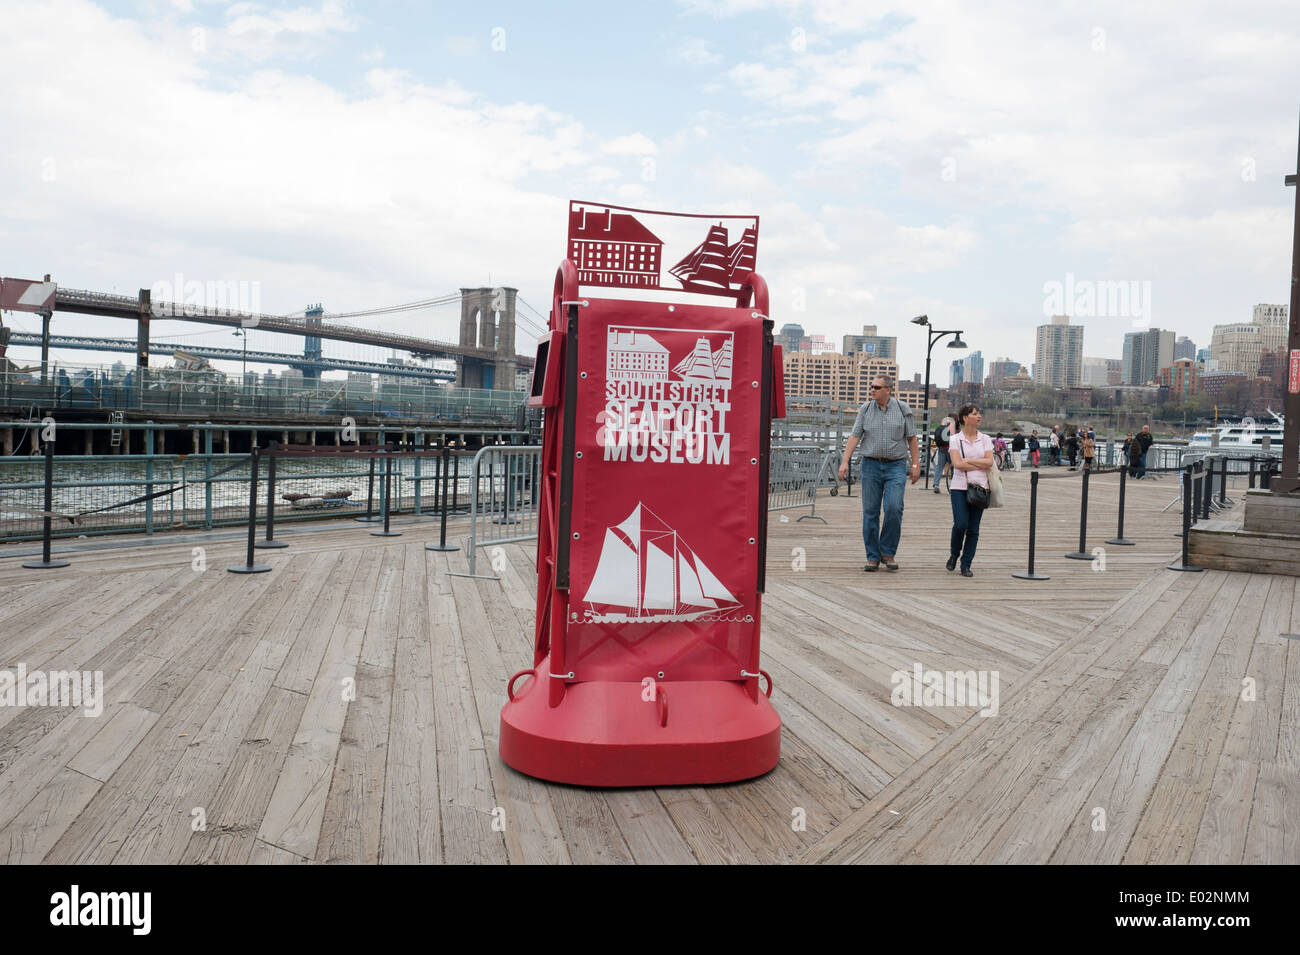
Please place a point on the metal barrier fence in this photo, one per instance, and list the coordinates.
(796, 472)
(508, 511)
(105, 494)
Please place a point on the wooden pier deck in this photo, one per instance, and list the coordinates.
(344, 707)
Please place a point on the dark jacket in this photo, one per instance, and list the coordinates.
(1018, 442)
(1144, 438)
(941, 437)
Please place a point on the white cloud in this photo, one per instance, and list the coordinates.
(698, 52)
(401, 189)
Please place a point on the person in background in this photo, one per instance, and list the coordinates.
(1054, 446)
(886, 429)
(1089, 449)
(1033, 447)
(1000, 450)
(1134, 457)
(1072, 449)
(972, 457)
(1017, 447)
(1145, 439)
(941, 436)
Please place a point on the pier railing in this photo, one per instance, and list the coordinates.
(152, 492)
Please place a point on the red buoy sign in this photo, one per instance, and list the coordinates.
(652, 535)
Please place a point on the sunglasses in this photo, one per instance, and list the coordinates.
(879, 387)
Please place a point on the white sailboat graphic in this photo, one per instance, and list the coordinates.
(646, 573)
(702, 364)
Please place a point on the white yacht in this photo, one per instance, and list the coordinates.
(1239, 439)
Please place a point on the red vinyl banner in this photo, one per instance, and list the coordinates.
(664, 555)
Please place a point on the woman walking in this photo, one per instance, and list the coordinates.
(1089, 449)
(1033, 448)
(971, 452)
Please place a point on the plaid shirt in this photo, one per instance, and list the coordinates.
(884, 434)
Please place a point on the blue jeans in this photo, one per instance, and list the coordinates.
(882, 481)
(965, 528)
(940, 462)
(1142, 467)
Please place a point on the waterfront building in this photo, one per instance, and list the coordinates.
(1058, 353)
(1181, 378)
(1239, 346)
(843, 378)
(872, 344)
(1145, 353)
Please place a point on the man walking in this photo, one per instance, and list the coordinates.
(1054, 446)
(941, 436)
(887, 432)
(1017, 447)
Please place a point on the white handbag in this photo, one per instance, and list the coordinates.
(995, 487)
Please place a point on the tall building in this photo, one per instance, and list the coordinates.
(956, 373)
(1058, 355)
(830, 375)
(973, 368)
(790, 338)
(1145, 353)
(1096, 372)
(999, 371)
(872, 344)
(1202, 354)
(1238, 347)
(1184, 347)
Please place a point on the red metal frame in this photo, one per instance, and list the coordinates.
(618, 732)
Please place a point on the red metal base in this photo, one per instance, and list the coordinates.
(607, 734)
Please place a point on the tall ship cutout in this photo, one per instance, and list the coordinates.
(647, 574)
(713, 266)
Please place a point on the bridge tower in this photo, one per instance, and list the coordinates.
(311, 348)
(487, 322)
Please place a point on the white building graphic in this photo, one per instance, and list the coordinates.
(632, 355)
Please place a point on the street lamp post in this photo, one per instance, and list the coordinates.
(932, 335)
(243, 368)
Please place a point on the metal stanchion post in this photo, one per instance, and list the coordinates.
(1187, 522)
(1119, 533)
(270, 542)
(1207, 491)
(1033, 527)
(387, 483)
(248, 567)
(442, 531)
(370, 517)
(47, 529)
(455, 481)
(1082, 552)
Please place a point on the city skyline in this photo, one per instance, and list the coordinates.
(899, 160)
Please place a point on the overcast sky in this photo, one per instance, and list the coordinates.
(952, 159)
